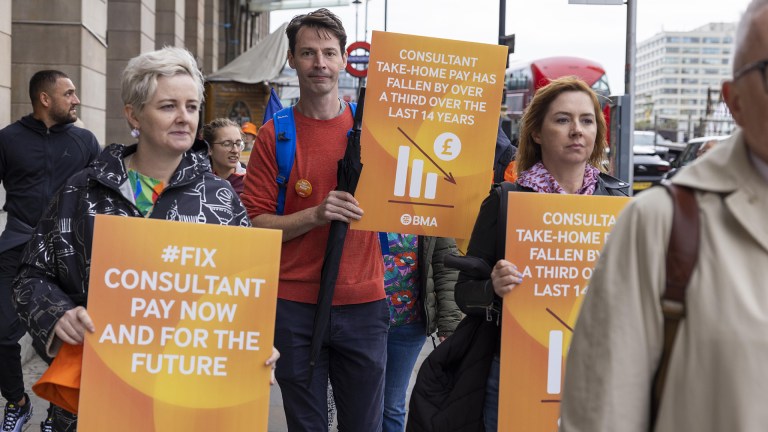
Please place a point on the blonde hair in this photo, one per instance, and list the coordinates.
(139, 80)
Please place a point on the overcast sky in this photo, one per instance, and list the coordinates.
(542, 28)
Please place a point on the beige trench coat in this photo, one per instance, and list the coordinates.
(718, 376)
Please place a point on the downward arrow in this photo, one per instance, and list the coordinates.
(446, 175)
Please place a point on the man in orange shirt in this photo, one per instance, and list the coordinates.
(354, 352)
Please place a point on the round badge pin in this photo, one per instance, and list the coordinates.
(303, 188)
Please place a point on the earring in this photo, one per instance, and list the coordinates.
(135, 132)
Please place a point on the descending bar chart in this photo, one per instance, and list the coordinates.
(417, 177)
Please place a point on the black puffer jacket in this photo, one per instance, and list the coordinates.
(449, 393)
(437, 281)
(34, 162)
(55, 266)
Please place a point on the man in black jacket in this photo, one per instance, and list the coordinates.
(37, 155)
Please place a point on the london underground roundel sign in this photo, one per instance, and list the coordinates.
(358, 54)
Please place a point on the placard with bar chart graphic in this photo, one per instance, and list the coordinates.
(555, 243)
(429, 134)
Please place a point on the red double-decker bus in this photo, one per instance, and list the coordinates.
(524, 78)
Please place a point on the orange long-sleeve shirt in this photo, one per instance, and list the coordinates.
(319, 146)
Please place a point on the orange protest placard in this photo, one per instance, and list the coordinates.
(184, 317)
(429, 132)
(555, 241)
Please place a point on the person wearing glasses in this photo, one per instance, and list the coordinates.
(715, 378)
(225, 143)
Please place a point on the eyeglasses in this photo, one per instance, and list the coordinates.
(238, 145)
(761, 65)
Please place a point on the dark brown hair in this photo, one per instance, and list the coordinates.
(209, 130)
(323, 21)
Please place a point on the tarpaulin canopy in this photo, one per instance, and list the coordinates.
(263, 62)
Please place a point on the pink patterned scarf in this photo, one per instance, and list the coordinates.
(540, 180)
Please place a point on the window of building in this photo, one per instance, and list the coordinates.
(690, 60)
(710, 50)
(519, 79)
(689, 81)
(601, 86)
(711, 40)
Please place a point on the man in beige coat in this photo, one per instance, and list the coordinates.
(717, 378)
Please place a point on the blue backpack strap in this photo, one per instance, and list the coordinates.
(384, 242)
(285, 152)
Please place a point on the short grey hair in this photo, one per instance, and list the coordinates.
(743, 30)
(139, 80)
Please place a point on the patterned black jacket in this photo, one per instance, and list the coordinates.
(55, 266)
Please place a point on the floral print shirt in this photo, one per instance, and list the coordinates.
(401, 279)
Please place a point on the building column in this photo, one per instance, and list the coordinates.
(194, 28)
(131, 30)
(169, 24)
(211, 41)
(71, 36)
(5, 63)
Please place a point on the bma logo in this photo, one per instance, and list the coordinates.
(415, 220)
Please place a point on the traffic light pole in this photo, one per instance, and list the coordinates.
(502, 19)
(504, 39)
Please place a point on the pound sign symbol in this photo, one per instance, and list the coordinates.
(447, 148)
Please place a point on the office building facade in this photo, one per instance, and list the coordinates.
(678, 81)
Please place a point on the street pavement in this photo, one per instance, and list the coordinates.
(34, 368)
(277, 415)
